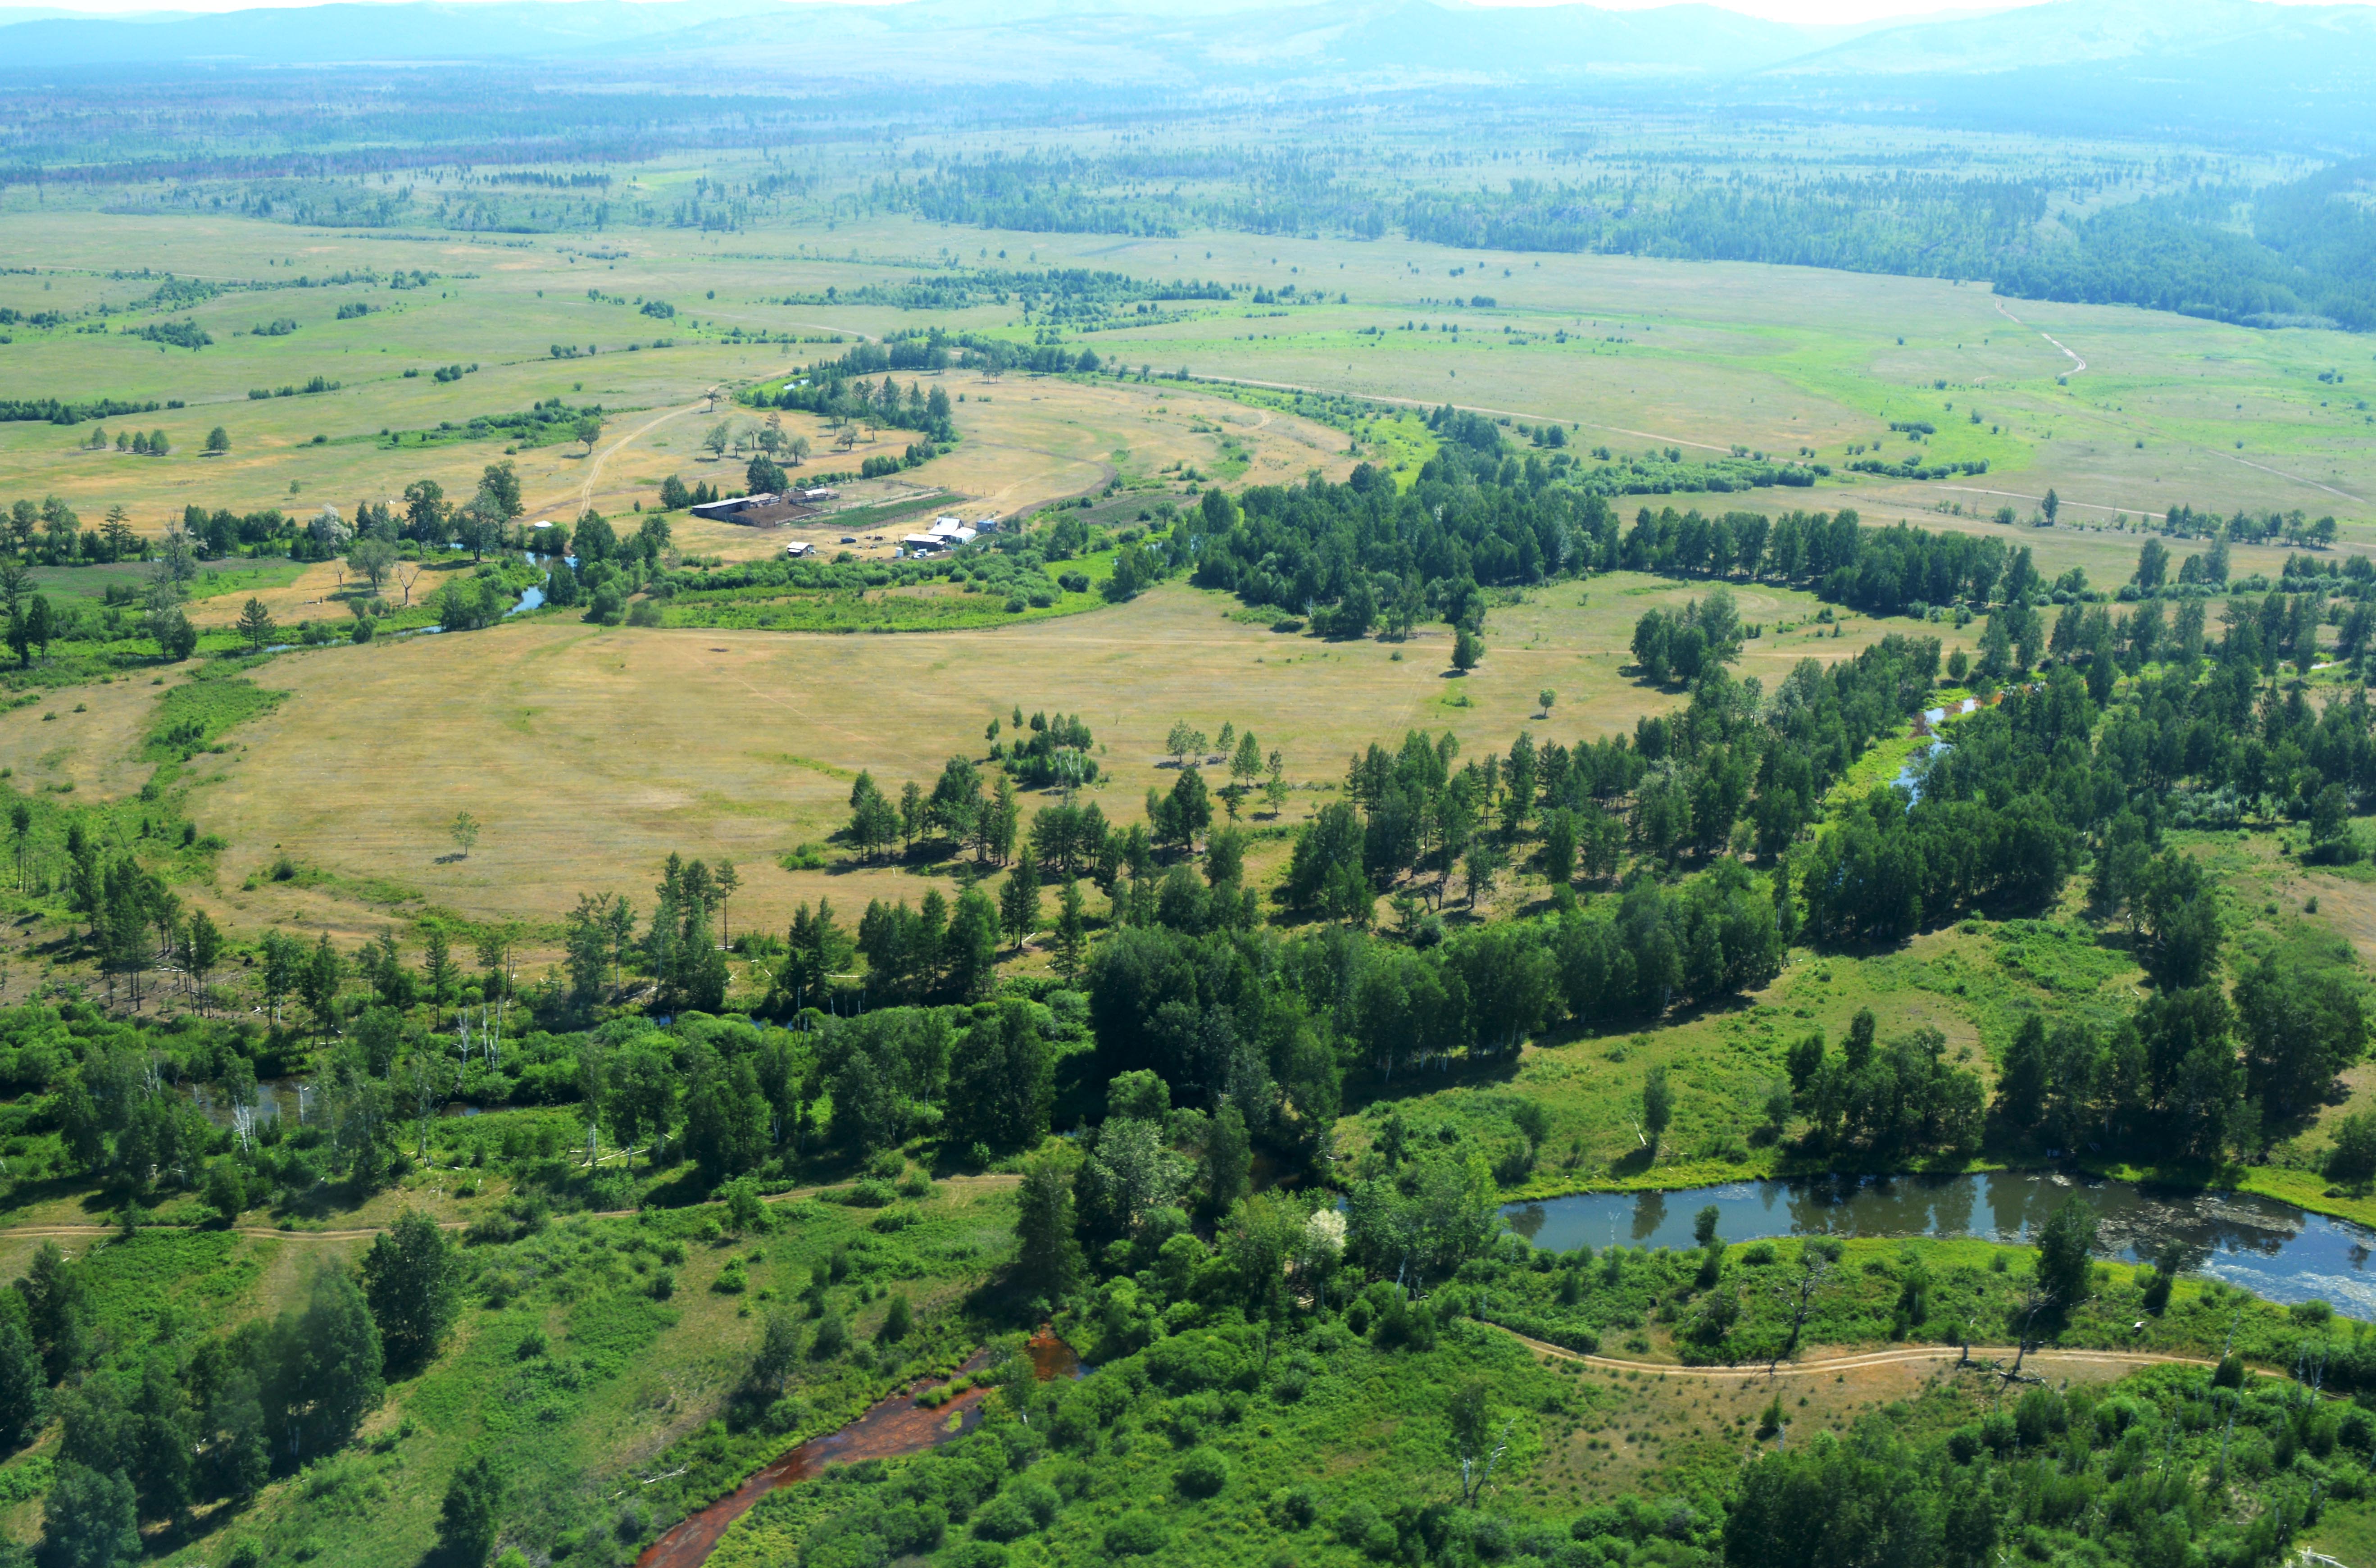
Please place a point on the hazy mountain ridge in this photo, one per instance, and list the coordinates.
(2303, 73)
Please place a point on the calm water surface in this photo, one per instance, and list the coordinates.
(2270, 1248)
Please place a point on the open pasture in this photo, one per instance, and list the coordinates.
(1634, 354)
(591, 754)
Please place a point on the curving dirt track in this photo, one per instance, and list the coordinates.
(1977, 1354)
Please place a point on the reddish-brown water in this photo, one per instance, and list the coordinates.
(897, 1426)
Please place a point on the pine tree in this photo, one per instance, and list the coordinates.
(254, 624)
(1072, 931)
(1018, 901)
(437, 963)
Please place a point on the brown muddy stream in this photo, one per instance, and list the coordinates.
(896, 1426)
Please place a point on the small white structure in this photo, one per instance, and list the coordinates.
(799, 547)
(954, 532)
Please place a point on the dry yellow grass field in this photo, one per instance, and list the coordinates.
(590, 754)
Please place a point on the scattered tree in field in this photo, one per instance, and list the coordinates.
(1657, 1108)
(589, 430)
(724, 882)
(116, 531)
(255, 625)
(874, 821)
(499, 484)
(328, 1358)
(469, 1519)
(1476, 1445)
(217, 442)
(746, 1212)
(2066, 1256)
(372, 558)
(409, 1283)
(176, 638)
(1467, 650)
(1546, 697)
(1018, 900)
(1245, 763)
(464, 831)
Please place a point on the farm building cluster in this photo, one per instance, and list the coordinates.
(766, 511)
(946, 533)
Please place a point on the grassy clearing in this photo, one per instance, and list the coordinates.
(676, 739)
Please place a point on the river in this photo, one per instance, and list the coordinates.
(2269, 1248)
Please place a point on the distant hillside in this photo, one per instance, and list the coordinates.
(2312, 66)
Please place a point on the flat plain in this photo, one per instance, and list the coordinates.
(1634, 354)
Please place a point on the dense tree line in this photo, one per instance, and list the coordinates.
(1363, 555)
(1921, 224)
(1065, 293)
(2304, 257)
